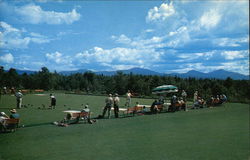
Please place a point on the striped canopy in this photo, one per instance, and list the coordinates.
(165, 89)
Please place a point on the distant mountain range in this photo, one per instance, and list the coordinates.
(66, 73)
(218, 74)
(25, 71)
(139, 71)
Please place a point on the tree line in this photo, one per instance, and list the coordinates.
(140, 85)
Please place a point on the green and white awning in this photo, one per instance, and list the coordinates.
(165, 89)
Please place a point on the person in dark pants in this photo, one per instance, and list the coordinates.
(173, 103)
(153, 107)
(116, 105)
(53, 101)
(19, 96)
(109, 103)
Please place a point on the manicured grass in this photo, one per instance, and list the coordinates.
(210, 133)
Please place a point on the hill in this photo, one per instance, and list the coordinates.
(217, 74)
(67, 73)
(138, 71)
(25, 71)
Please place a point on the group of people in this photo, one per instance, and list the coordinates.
(19, 98)
(199, 102)
(13, 115)
(17, 94)
(74, 118)
(112, 102)
(220, 99)
(178, 103)
(6, 90)
(4, 117)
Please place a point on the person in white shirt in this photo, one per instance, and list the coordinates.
(195, 96)
(184, 95)
(108, 106)
(19, 96)
(128, 99)
(3, 117)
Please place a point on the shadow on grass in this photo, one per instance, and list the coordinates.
(49, 123)
(38, 124)
(6, 108)
(135, 115)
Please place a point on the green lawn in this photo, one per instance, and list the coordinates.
(210, 133)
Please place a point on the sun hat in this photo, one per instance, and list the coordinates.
(13, 110)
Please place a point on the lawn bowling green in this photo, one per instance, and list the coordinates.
(209, 133)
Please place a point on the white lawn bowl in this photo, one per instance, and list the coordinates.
(72, 111)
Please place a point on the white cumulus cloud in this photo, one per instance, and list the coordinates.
(11, 37)
(122, 39)
(186, 57)
(59, 58)
(161, 13)
(7, 58)
(34, 14)
(240, 66)
(230, 42)
(231, 55)
(118, 57)
(210, 19)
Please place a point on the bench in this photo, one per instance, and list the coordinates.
(82, 115)
(10, 125)
(25, 91)
(135, 110)
(130, 110)
(39, 90)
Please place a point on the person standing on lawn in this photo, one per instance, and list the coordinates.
(184, 98)
(184, 95)
(128, 99)
(19, 96)
(52, 101)
(116, 105)
(195, 96)
(108, 106)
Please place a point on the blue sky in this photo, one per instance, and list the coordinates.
(164, 36)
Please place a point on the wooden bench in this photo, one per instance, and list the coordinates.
(82, 115)
(25, 91)
(160, 107)
(134, 110)
(10, 125)
(39, 90)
